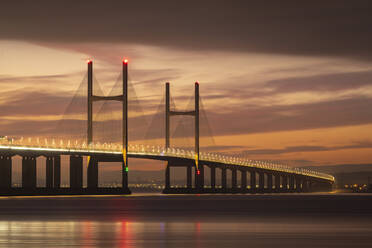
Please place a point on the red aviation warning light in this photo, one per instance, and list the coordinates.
(125, 61)
(89, 61)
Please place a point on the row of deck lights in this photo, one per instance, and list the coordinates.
(156, 150)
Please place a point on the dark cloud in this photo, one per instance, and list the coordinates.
(322, 83)
(340, 28)
(255, 119)
(241, 89)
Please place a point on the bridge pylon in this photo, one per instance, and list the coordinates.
(199, 169)
(92, 176)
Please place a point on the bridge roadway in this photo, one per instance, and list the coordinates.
(263, 177)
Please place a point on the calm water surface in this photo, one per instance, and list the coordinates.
(187, 221)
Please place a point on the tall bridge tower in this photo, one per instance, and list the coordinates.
(93, 161)
(199, 171)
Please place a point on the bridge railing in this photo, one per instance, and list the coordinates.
(116, 148)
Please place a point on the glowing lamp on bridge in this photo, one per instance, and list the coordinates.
(198, 172)
(125, 61)
(89, 61)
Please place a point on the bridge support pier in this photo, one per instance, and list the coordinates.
(298, 184)
(49, 173)
(167, 177)
(76, 172)
(305, 185)
(269, 182)
(234, 179)
(189, 177)
(5, 172)
(213, 177)
(223, 179)
(57, 172)
(29, 172)
(92, 175)
(243, 181)
(199, 178)
(261, 181)
(277, 183)
(291, 183)
(253, 181)
(285, 183)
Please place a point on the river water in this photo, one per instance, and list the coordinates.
(154, 220)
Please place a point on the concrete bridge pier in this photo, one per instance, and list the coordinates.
(57, 172)
(5, 172)
(253, 181)
(49, 172)
(76, 172)
(167, 177)
(261, 182)
(291, 183)
(269, 182)
(199, 177)
(243, 181)
(92, 174)
(223, 179)
(213, 178)
(29, 172)
(277, 183)
(285, 183)
(305, 185)
(189, 177)
(298, 184)
(234, 180)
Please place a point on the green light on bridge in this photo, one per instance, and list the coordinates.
(126, 169)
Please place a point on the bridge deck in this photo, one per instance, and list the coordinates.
(112, 153)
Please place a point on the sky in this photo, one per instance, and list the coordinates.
(280, 80)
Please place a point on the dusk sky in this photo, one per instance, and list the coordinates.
(285, 80)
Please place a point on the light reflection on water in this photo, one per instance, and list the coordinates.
(184, 234)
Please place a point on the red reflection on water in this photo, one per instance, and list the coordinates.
(197, 234)
(125, 234)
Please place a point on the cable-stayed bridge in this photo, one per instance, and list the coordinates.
(256, 176)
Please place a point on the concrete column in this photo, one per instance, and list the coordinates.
(298, 184)
(305, 183)
(291, 183)
(76, 172)
(213, 177)
(201, 176)
(310, 188)
(189, 177)
(261, 181)
(243, 180)
(270, 181)
(277, 182)
(234, 178)
(29, 172)
(92, 176)
(167, 176)
(5, 172)
(223, 178)
(285, 183)
(49, 173)
(57, 172)
(253, 180)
